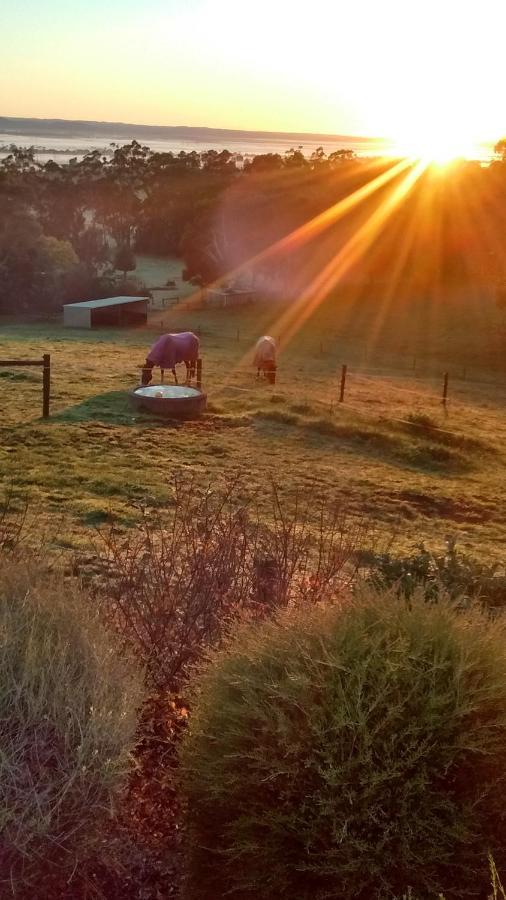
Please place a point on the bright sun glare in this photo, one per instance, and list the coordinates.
(431, 99)
(438, 147)
(439, 134)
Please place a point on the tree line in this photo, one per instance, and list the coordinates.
(70, 231)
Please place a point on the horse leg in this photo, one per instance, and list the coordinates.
(175, 376)
(147, 372)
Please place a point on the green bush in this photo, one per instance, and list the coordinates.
(450, 572)
(68, 716)
(357, 752)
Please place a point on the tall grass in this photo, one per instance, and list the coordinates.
(68, 715)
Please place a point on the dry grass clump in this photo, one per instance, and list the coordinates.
(68, 715)
(14, 521)
(355, 752)
(426, 426)
(420, 447)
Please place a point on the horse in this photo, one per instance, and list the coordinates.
(168, 351)
(265, 357)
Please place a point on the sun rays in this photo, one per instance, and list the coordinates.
(395, 229)
(347, 257)
(405, 172)
(392, 187)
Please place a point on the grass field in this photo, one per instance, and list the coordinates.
(95, 458)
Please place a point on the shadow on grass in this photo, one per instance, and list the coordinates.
(21, 376)
(112, 408)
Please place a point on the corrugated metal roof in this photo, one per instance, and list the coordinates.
(229, 292)
(107, 301)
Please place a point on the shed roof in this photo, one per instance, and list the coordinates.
(229, 291)
(107, 301)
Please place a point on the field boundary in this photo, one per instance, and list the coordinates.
(45, 362)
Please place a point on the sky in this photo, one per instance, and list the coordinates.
(406, 69)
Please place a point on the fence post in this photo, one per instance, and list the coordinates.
(344, 370)
(46, 384)
(199, 373)
(445, 388)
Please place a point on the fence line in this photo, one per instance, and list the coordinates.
(45, 362)
(338, 391)
(406, 390)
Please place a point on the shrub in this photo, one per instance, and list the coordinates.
(174, 586)
(358, 751)
(67, 711)
(451, 572)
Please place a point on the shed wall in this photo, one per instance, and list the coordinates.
(76, 317)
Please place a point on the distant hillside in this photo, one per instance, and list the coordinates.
(124, 131)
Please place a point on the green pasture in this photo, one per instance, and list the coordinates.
(391, 452)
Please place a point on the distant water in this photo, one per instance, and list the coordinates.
(61, 149)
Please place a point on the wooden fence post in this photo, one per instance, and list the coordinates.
(199, 373)
(46, 384)
(344, 370)
(45, 362)
(445, 388)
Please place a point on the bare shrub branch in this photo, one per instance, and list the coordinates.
(14, 521)
(175, 585)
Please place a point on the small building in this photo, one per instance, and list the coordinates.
(228, 297)
(119, 311)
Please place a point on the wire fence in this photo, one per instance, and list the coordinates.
(401, 388)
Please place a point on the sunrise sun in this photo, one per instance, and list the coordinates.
(435, 144)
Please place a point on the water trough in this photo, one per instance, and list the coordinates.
(173, 401)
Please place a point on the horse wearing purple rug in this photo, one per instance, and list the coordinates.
(171, 349)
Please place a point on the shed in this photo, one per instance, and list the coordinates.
(110, 311)
(229, 297)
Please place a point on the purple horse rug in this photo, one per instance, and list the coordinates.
(171, 349)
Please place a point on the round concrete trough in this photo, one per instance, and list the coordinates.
(174, 401)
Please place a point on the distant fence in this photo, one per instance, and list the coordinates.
(45, 362)
(344, 373)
